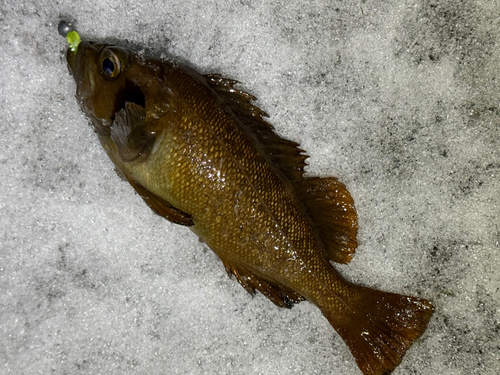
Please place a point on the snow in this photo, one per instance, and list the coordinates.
(399, 99)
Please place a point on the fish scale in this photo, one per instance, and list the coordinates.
(201, 155)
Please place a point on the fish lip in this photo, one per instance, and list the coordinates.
(75, 65)
(71, 61)
(75, 61)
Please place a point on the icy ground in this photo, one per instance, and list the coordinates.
(399, 99)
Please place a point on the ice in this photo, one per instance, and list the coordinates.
(399, 99)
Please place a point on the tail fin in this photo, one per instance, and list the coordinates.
(381, 327)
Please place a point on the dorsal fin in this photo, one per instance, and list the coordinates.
(332, 209)
(326, 200)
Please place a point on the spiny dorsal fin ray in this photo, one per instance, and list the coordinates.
(286, 154)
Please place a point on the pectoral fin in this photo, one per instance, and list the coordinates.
(132, 139)
(129, 132)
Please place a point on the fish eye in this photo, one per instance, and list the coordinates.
(111, 65)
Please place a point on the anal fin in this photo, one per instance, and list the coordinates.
(278, 294)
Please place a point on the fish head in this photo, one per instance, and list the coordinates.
(107, 77)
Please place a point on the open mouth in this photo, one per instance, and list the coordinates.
(129, 94)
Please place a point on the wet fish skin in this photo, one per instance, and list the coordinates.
(201, 155)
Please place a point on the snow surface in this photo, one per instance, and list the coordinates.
(399, 99)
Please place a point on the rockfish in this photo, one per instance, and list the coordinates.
(200, 154)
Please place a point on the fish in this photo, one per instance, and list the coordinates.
(202, 155)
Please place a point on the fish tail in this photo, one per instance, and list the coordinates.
(380, 327)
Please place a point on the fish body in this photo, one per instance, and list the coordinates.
(201, 154)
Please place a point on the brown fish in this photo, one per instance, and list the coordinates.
(201, 155)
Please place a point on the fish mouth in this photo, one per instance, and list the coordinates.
(85, 79)
(129, 94)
